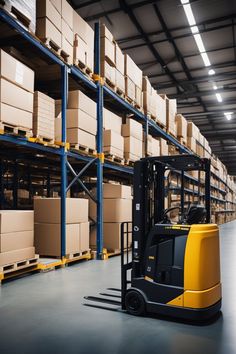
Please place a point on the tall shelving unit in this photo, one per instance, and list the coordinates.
(59, 163)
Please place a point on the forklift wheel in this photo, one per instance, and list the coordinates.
(135, 303)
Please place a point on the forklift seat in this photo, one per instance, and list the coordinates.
(196, 214)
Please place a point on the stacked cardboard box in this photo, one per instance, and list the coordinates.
(16, 92)
(108, 55)
(117, 209)
(133, 81)
(16, 236)
(119, 70)
(153, 104)
(54, 25)
(132, 132)
(192, 136)
(181, 125)
(163, 147)
(113, 142)
(48, 226)
(24, 10)
(171, 111)
(83, 42)
(81, 120)
(153, 146)
(43, 118)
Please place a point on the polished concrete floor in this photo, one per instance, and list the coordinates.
(44, 313)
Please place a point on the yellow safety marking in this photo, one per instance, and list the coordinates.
(151, 257)
(66, 145)
(32, 140)
(148, 278)
(100, 156)
(98, 78)
(1, 131)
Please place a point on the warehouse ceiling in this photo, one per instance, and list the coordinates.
(158, 37)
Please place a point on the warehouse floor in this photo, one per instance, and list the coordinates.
(44, 313)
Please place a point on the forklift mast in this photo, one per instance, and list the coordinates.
(149, 196)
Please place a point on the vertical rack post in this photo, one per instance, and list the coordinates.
(64, 93)
(99, 142)
(182, 192)
(146, 128)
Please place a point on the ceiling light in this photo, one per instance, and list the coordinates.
(228, 115)
(205, 59)
(219, 98)
(211, 72)
(184, 1)
(194, 29)
(198, 40)
(189, 14)
(215, 87)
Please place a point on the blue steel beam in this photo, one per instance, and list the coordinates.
(64, 93)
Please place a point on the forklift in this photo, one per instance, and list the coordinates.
(173, 268)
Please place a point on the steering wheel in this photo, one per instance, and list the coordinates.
(166, 219)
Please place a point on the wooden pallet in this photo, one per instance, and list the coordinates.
(66, 57)
(151, 116)
(43, 141)
(74, 257)
(129, 162)
(160, 124)
(115, 159)
(17, 15)
(182, 141)
(6, 128)
(83, 149)
(84, 68)
(134, 104)
(14, 269)
(119, 92)
(109, 83)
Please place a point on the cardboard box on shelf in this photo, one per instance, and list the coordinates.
(111, 121)
(76, 118)
(120, 60)
(115, 210)
(171, 110)
(67, 49)
(80, 137)
(84, 236)
(16, 72)
(48, 210)
(47, 239)
(108, 72)
(133, 148)
(43, 117)
(163, 147)
(120, 81)
(45, 8)
(112, 191)
(181, 124)
(133, 72)
(16, 240)
(25, 8)
(156, 147)
(83, 29)
(77, 99)
(16, 220)
(191, 143)
(132, 128)
(193, 131)
(16, 255)
(112, 139)
(161, 110)
(67, 32)
(153, 146)
(57, 5)
(130, 88)
(46, 31)
(108, 49)
(67, 13)
(15, 96)
(16, 117)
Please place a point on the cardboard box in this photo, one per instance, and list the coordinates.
(83, 30)
(16, 117)
(67, 32)
(27, 8)
(45, 8)
(48, 239)
(115, 210)
(16, 72)
(181, 124)
(15, 96)
(120, 60)
(111, 236)
(16, 240)
(48, 210)
(132, 148)
(76, 118)
(163, 147)
(16, 255)
(67, 49)
(120, 81)
(171, 110)
(104, 32)
(108, 50)
(133, 72)
(77, 99)
(111, 138)
(67, 13)
(130, 88)
(43, 117)
(111, 121)
(192, 131)
(46, 29)
(112, 191)
(16, 221)
(84, 236)
(132, 128)
(153, 146)
(57, 5)
(108, 71)
(57, 129)
(80, 137)
(156, 150)
(191, 143)
(161, 110)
